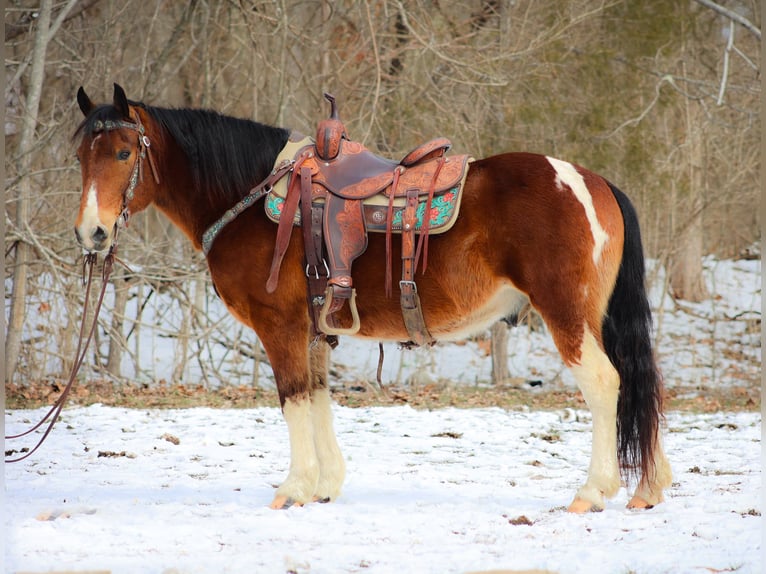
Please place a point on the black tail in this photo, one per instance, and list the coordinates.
(627, 341)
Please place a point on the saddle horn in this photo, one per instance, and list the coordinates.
(330, 132)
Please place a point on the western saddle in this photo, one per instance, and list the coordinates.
(339, 190)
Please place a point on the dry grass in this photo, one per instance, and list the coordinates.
(512, 397)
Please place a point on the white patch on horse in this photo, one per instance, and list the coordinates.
(332, 467)
(90, 219)
(566, 174)
(301, 482)
(599, 382)
(505, 301)
(93, 142)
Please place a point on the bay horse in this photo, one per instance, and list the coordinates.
(532, 230)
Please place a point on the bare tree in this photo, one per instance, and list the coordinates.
(45, 30)
(599, 82)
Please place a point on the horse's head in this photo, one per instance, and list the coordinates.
(111, 153)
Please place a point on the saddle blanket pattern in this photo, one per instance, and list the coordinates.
(445, 205)
(444, 208)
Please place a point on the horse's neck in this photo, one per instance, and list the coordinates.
(195, 205)
(182, 200)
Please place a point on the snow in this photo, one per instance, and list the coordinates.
(443, 491)
(450, 490)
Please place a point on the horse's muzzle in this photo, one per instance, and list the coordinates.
(96, 240)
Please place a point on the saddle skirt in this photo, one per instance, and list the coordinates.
(368, 177)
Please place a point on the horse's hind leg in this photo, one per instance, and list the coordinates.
(599, 382)
(654, 481)
(332, 467)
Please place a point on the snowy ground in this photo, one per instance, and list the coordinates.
(443, 491)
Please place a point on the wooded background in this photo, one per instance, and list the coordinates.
(661, 97)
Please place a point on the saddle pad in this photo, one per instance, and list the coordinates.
(445, 206)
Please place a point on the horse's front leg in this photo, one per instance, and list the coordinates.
(290, 362)
(317, 468)
(332, 467)
(301, 482)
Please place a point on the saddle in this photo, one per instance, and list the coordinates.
(337, 192)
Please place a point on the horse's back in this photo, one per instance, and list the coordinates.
(530, 227)
(540, 209)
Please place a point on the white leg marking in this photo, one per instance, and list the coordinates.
(332, 467)
(599, 383)
(566, 174)
(650, 487)
(301, 482)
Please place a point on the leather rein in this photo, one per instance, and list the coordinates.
(89, 263)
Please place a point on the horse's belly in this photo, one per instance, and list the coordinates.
(504, 302)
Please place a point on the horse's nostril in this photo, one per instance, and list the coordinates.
(99, 235)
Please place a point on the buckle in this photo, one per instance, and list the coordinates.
(402, 284)
(284, 164)
(316, 270)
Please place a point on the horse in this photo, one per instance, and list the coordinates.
(532, 230)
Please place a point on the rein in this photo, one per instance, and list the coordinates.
(89, 263)
(55, 410)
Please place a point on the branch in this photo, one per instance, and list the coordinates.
(726, 56)
(747, 24)
(376, 95)
(26, 21)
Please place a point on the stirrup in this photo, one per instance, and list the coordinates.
(325, 328)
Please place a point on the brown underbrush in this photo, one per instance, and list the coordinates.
(518, 395)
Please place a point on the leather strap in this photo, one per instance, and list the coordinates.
(253, 195)
(316, 268)
(285, 229)
(426, 227)
(409, 299)
(389, 230)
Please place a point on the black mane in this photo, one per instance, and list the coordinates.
(227, 155)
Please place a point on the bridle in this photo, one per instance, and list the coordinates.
(136, 176)
(137, 173)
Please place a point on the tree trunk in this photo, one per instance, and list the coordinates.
(686, 281)
(24, 194)
(499, 346)
(45, 31)
(117, 342)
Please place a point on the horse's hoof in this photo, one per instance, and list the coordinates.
(322, 499)
(638, 503)
(581, 506)
(282, 502)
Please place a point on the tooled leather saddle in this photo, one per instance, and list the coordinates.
(343, 191)
(337, 191)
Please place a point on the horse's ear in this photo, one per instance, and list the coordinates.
(84, 101)
(121, 101)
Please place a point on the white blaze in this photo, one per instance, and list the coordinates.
(90, 220)
(90, 213)
(566, 174)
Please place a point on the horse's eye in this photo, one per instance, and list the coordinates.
(77, 158)
(123, 155)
